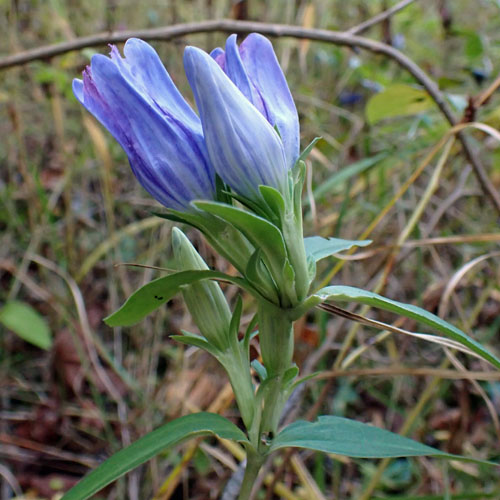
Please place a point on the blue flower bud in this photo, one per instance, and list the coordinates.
(244, 148)
(255, 70)
(136, 100)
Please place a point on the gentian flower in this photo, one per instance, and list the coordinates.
(242, 145)
(255, 70)
(247, 132)
(136, 100)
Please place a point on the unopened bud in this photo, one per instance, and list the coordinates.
(204, 299)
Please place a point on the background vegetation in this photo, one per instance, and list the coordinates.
(74, 391)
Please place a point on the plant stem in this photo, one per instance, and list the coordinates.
(254, 463)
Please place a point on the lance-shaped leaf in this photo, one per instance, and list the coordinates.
(158, 292)
(318, 247)
(261, 233)
(22, 319)
(350, 438)
(171, 434)
(341, 293)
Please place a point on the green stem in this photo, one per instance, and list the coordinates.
(254, 463)
(276, 342)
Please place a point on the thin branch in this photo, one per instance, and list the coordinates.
(277, 30)
(360, 28)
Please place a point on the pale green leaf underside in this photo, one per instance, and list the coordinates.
(23, 320)
(318, 247)
(341, 293)
(158, 292)
(171, 434)
(350, 438)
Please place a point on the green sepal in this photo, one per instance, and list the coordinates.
(299, 175)
(222, 191)
(234, 326)
(249, 334)
(318, 248)
(257, 274)
(159, 291)
(274, 200)
(204, 300)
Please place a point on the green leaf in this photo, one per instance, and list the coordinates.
(260, 232)
(192, 339)
(23, 320)
(397, 100)
(350, 438)
(223, 237)
(318, 247)
(336, 181)
(341, 293)
(158, 292)
(171, 434)
(473, 43)
(290, 375)
(274, 199)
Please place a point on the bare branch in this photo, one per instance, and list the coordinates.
(360, 28)
(277, 30)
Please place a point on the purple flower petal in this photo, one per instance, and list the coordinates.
(135, 99)
(264, 72)
(243, 147)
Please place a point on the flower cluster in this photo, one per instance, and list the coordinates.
(247, 131)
